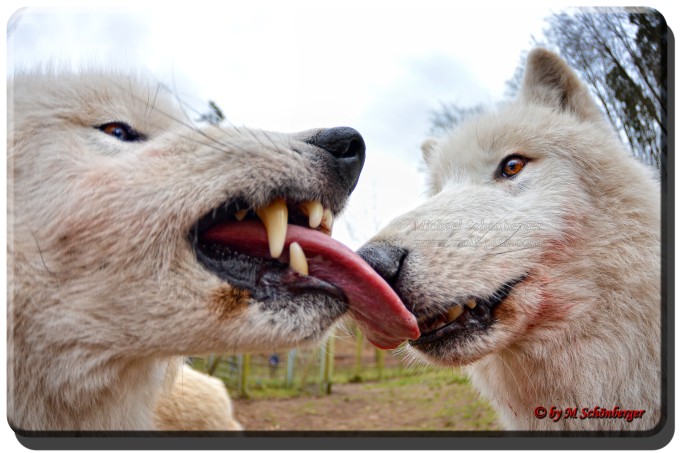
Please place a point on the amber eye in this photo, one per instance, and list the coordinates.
(122, 131)
(512, 165)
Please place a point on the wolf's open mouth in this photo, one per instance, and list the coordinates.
(284, 249)
(223, 231)
(460, 319)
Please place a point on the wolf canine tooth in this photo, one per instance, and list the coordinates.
(275, 219)
(314, 210)
(471, 303)
(454, 313)
(298, 261)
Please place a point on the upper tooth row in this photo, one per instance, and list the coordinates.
(275, 220)
(318, 215)
(315, 211)
(454, 312)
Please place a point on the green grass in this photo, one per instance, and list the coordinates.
(393, 378)
(426, 393)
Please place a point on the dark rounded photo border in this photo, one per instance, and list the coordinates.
(433, 440)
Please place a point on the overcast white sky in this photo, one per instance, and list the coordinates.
(380, 67)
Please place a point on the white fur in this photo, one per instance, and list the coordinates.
(196, 402)
(104, 289)
(581, 222)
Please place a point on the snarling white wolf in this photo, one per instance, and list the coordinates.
(536, 261)
(135, 237)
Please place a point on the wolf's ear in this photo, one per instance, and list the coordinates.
(548, 80)
(427, 147)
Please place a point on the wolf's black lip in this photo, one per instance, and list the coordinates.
(478, 318)
(265, 279)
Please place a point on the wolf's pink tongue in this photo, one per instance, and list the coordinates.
(374, 305)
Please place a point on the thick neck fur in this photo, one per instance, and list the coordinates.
(600, 354)
(57, 381)
(76, 389)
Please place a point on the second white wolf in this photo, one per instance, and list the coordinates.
(536, 261)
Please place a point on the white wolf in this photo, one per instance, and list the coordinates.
(536, 260)
(135, 237)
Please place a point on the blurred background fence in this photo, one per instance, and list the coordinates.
(345, 356)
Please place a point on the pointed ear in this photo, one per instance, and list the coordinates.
(549, 81)
(427, 147)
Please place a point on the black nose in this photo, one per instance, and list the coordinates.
(348, 150)
(385, 259)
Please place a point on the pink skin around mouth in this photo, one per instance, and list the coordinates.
(373, 304)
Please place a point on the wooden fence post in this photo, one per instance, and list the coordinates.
(327, 366)
(357, 358)
(243, 371)
(290, 365)
(213, 363)
(380, 362)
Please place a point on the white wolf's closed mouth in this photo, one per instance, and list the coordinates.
(274, 249)
(460, 319)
